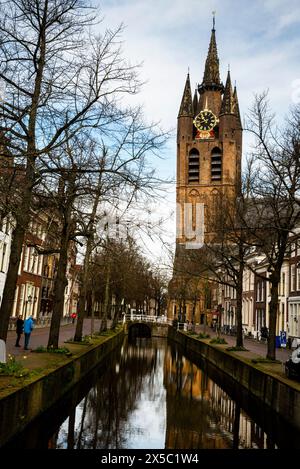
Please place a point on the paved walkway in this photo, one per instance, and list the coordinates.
(252, 345)
(39, 336)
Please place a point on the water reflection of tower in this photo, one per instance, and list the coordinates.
(200, 414)
(188, 405)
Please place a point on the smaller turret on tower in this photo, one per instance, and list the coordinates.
(186, 113)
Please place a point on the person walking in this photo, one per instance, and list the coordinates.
(28, 326)
(19, 329)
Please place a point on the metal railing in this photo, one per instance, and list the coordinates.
(146, 318)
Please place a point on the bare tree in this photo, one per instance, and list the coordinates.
(274, 212)
(58, 80)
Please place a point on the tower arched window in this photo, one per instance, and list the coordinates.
(216, 165)
(193, 165)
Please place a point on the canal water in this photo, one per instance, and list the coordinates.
(150, 394)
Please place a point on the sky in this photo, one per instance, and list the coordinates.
(258, 40)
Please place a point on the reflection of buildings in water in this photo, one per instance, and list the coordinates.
(102, 417)
(200, 414)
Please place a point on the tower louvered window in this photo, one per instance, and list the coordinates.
(216, 165)
(194, 165)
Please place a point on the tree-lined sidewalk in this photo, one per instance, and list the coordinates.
(39, 336)
(252, 345)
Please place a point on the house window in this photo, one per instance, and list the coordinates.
(293, 277)
(258, 291)
(194, 165)
(293, 250)
(298, 279)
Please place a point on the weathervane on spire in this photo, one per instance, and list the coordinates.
(214, 19)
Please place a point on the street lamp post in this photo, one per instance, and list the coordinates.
(28, 301)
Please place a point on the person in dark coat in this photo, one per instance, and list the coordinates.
(19, 329)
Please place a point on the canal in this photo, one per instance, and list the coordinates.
(150, 394)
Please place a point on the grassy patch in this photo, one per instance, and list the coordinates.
(218, 340)
(13, 368)
(107, 333)
(264, 360)
(237, 349)
(86, 340)
(203, 336)
(60, 350)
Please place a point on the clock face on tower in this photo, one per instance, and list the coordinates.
(205, 121)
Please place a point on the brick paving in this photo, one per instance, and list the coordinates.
(39, 336)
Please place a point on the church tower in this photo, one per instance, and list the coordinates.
(209, 145)
(209, 151)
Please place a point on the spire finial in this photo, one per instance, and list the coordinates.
(211, 77)
(188, 70)
(214, 19)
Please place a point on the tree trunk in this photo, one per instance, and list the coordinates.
(80, 313)
(103, 326)
(273, 306)
(93, 315)
(239, 305)
(60, 284)
(236, 427)
(11, 280)
(22, 220)
(71, 429)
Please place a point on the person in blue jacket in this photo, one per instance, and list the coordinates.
(28, 326)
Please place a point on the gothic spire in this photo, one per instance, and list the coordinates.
(211, 78)
(186, 107)
(236, 108)
(227, 103)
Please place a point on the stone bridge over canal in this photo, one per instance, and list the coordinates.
(142, 325)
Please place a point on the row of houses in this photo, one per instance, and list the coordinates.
(205, 302)
(257, 295)
(36, 274)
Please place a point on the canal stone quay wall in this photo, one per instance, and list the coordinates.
(22, 406)
(276, 392)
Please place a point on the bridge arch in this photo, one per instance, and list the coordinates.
(139, 329)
